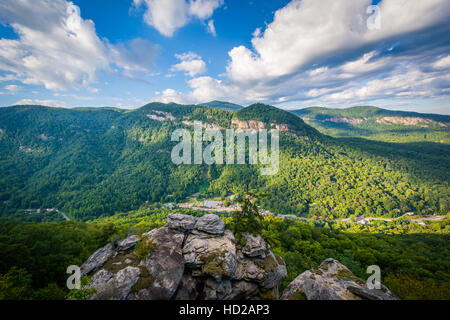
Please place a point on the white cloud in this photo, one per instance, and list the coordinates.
(363, 64)
(403, 16)
(171, 95)
(306, 31)
(443, 63)
(300, 32)
(167, 16)
(12, 88)
(323, 52)
(203, 9)
(191, 63)
(93, 90)
(8, 77)
(59, 49)
(205, 89)
(187, 56)
(49, 103)
(211, 28)
(73, 96)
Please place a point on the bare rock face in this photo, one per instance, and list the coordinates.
(117, 285)
(97, 259)
(211, 255)
(187, 289)
(211, 224)
(333, 281)
(255, 246)
(164, 265)
(187, 259)
(250, 124)
(181, 222)
(127, 243)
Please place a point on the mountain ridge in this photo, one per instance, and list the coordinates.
(366, 111)
(378, 124)
(308, 110)
(92, 163)
(221, 105)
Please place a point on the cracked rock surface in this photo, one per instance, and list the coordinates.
(190, 258)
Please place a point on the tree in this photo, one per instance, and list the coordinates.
(15, 285)
(248, 219)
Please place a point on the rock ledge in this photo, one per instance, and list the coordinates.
(188, 259)
(333, 281)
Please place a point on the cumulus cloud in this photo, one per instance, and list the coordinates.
(171, 95)
(167, 16)
(306, 31)
(203, 9)
(191, 63)
(316, 52)
(59, 49)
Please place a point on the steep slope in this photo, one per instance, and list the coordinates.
(96, 162)
(187, 259)
(378, 124)
(264, 116)
(333, 281)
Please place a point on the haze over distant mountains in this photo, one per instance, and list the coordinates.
(368, 122)
(378, 124)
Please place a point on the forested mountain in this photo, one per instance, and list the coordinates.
(96, 162)
(99, 164)
(378, 124)
(414, 264)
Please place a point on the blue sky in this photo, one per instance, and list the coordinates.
(289, 53)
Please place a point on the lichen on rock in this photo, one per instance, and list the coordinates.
(190, 258)
(333, 281)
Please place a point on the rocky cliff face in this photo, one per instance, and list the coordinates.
(333, 281)
(191, 259)
(257, 125)
(188, 258)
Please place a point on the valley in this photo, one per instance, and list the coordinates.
(97, 162)
(178, 151)
(109, 172)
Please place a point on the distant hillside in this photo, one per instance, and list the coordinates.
(221, 105)
(378, 124)
(275, 117)
(91, 162)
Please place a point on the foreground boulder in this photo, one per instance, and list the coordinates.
(187, 259)
(333, 281)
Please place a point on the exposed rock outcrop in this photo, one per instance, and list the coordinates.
(183, 223)
(211, 224)
(409, 121)
(162, 116)
(333, 281)
(204, 125)
(257, 125)
(198, 258)
(337, 120)
(187, 259)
